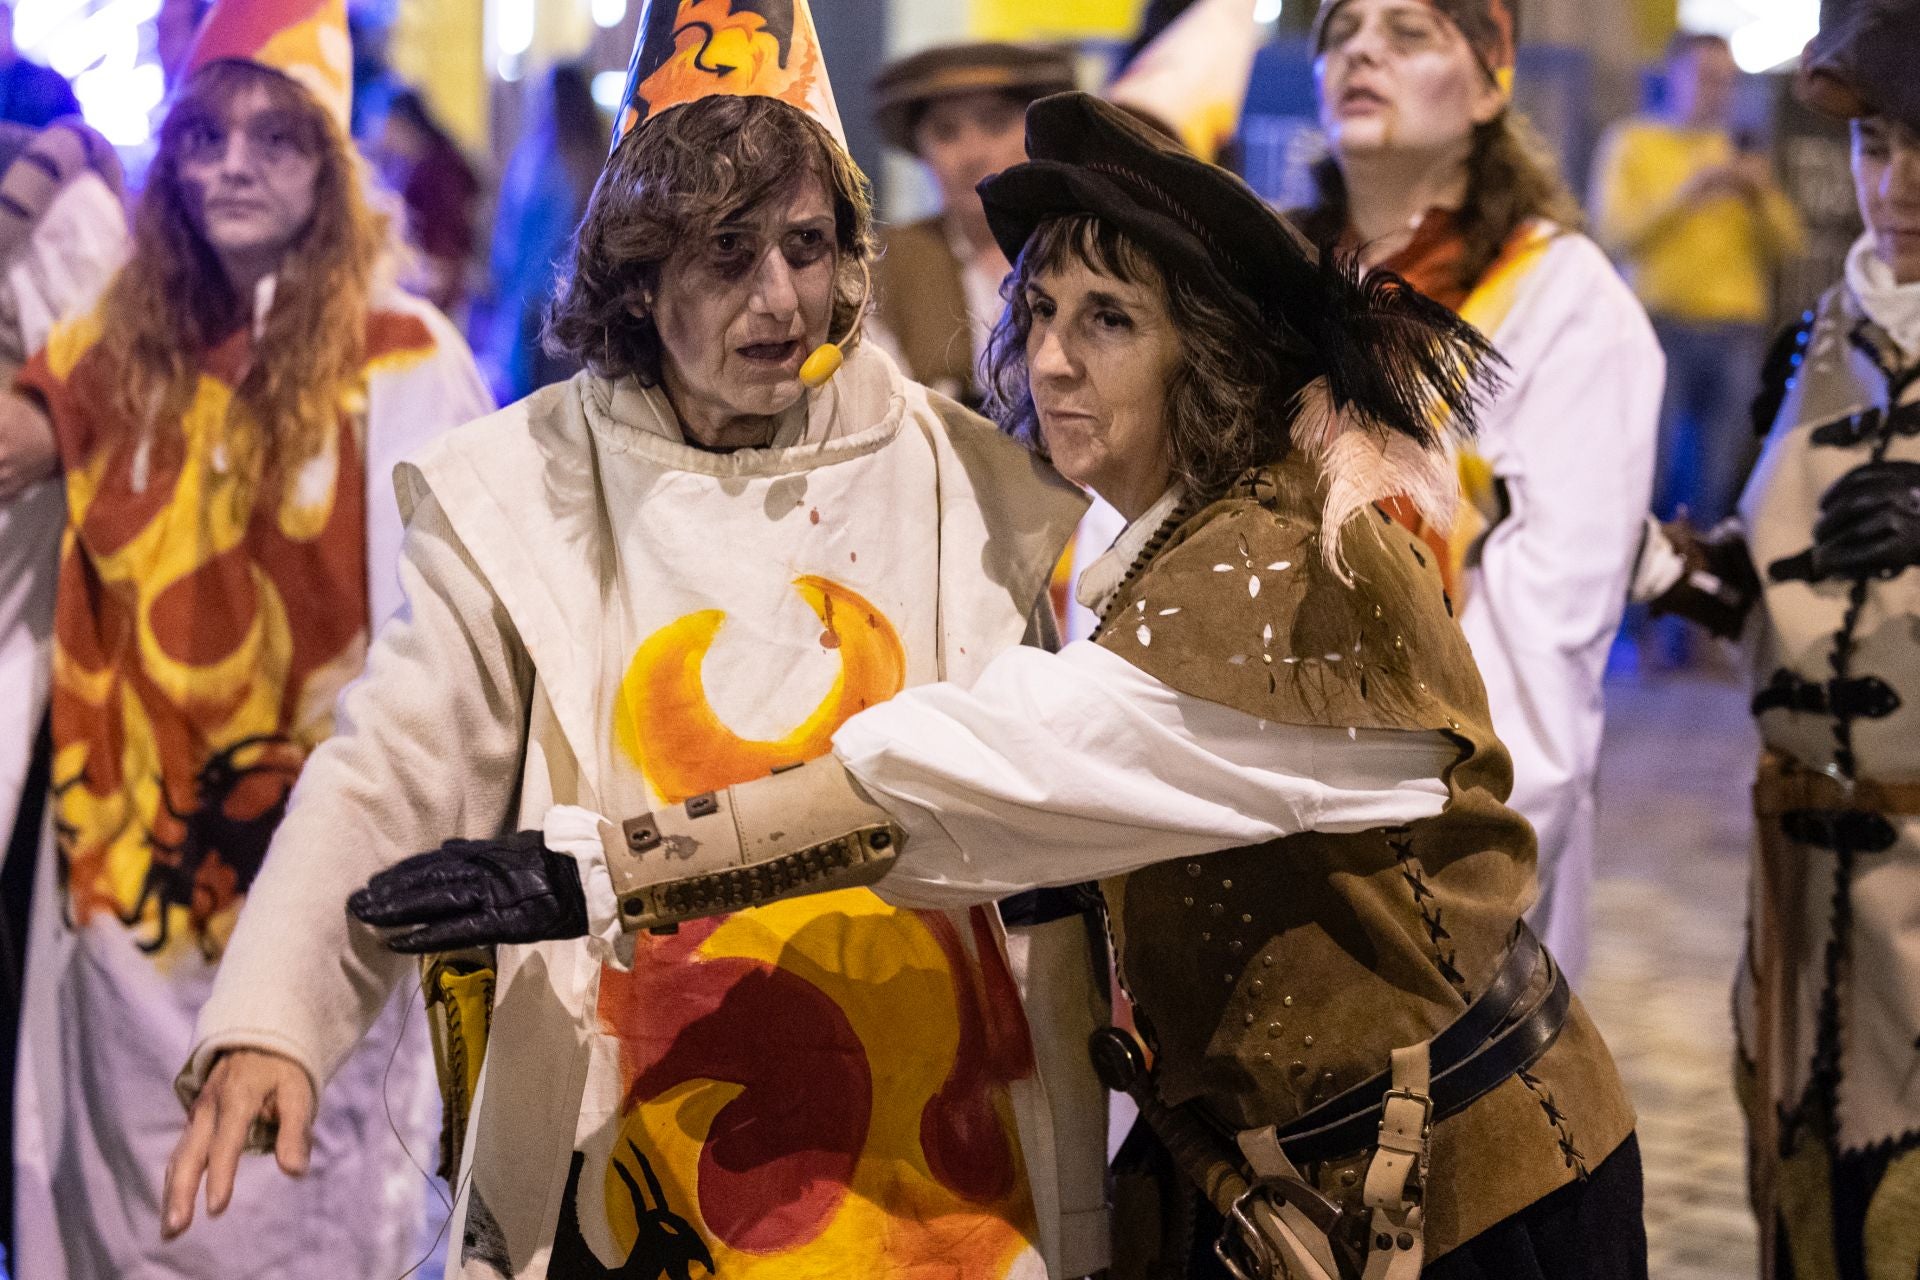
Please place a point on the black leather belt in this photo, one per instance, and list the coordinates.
(1494, 1039)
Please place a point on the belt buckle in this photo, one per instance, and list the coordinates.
(1242, 1249)
(1246, 1252)
(1424, 1101)
(1840, 778)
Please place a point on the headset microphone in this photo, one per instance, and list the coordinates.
(825, 360)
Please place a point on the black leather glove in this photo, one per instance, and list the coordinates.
(1869, 522)
(1719, 587)
(476, 893)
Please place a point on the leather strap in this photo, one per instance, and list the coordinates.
(1785, 785)
(1854, 697)
(1396, 1185)
(1477, 1052)
(1282, 1226)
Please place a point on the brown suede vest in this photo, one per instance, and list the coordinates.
(1273, 977)
(923, 303)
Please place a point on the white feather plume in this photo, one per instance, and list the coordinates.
(1365, 463)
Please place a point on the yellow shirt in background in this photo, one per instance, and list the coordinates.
(1705, 262)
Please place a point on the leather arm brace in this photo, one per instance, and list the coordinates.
(808, 829)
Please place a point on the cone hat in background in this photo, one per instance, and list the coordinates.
(304, 40)
(691, 49)
(1193, 76)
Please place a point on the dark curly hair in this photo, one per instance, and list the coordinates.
(670, 183)
(1231, 400)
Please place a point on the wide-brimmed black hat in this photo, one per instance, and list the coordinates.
(989, 66)
(1862, 61)
(1399, 358)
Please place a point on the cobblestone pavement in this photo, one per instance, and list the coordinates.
(1669, 910)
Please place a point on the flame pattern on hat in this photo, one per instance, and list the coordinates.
(304, 40)
(686, 50)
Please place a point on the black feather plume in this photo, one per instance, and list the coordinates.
(1397, 358)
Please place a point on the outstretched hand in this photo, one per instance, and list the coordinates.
(476, 893)
(1720, 586)
(247, 1090)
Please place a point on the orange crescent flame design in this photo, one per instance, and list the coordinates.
(664, 723)
(719, 50)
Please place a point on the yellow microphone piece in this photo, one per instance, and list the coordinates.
(821, 365)
(825, 360)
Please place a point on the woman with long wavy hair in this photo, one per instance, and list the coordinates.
(1435, 176)
(222, 418)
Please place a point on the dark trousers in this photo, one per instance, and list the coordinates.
(1708, 441)
(1590, 1230)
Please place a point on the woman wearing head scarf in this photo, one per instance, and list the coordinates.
(1435, 176)
(1817, 575)
(1275, 756)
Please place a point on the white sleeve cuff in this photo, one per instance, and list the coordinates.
(1658, 567)
(580, 834)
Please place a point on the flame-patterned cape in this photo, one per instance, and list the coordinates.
(203, 626)
(822, 1088)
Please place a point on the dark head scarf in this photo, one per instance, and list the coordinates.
(1488, 26)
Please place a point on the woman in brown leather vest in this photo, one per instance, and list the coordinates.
(1275, 757)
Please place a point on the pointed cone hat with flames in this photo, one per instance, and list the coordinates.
(691, 49)
(304, 40)
(1193, 76)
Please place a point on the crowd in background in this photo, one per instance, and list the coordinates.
(1686, 203)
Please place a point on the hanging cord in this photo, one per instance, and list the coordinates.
(386, 1102)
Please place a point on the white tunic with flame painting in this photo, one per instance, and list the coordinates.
(820, 1088)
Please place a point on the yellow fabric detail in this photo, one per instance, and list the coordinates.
(667, 727)
(873, 962)
(1893, 1222)
(71, 340)
(1806, 1202)
(1486, 309)
(1711, 263)
(459, 995)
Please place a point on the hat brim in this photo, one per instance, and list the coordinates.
(1019, 201)
(895, 111)
(1200, 222)
(1860, 63)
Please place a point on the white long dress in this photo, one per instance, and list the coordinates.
(1571, 439)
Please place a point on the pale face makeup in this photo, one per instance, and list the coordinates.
(1397, 76)
(1101, 354)
(249, 182)
(739, 312)
(1886, 180)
